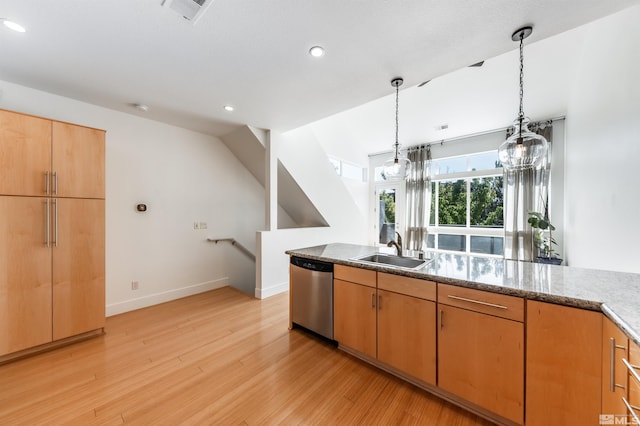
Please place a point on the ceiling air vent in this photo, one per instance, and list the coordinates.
(190, 10)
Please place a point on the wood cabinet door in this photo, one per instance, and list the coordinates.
(354, 320)
(25, 274)
(25, 154)
(614, 372)
(407, 334)
(564, 362)
(78, 266)
(78, 161)
(481, 359)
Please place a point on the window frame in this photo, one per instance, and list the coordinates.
(467, 230)
(486, 141)
(400, 187)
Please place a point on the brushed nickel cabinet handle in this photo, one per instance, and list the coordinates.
(373, 300)
(632, 410)
(55, 183)
(632, 369)
(46, 182)
(441, 316)
(612, 364)
(464, 299)
(46, 224)
(55, 223)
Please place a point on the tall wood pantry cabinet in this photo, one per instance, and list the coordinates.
(52, 226)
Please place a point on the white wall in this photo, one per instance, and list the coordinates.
(307, 162)
(603, 147)
(338, 141)
(184, 177)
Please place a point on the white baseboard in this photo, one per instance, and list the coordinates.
(263, 293)
(165, 296)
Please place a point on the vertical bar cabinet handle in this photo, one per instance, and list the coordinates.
(55, 223)
(612, 364)
(46, 224)
(46, 182)
(373, 300)
(55, 183)
(441, 316)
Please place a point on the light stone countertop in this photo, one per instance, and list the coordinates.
(617, 294)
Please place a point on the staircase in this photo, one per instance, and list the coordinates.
(314, 205)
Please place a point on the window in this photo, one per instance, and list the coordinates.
(348, 170)
(386, 215)
(466, 204)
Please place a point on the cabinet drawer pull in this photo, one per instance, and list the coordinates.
(373, 300)
(441, 316)
(632, 369)
(464, 299)
(632, 410)
(46, 182)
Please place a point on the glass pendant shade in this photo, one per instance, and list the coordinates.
(523, 149)
(397, 167)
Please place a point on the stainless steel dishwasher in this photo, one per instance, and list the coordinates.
(312, 295)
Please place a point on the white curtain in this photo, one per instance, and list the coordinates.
(525, 191)
(418, 197)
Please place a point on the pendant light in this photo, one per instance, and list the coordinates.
(524, 149)
(397, 167)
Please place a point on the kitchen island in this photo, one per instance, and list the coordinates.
(516, 342)
(616, 294)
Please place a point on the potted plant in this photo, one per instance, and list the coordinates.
(543, 237)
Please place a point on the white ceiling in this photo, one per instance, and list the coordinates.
(252, 54)
(468, 101)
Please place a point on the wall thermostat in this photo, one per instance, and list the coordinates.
(141, 208)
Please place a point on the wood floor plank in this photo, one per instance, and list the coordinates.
(219, 357)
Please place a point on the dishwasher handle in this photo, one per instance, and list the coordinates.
(311, 264)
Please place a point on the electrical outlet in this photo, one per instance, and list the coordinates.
(203, 225)
(134, 285)
(196, 225)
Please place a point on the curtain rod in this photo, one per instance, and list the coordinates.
(457, 138)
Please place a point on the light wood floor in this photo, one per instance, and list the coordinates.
(216, 358)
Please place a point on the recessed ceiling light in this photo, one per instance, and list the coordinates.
(316, 51)
(13, 25)
(142, 107)
(228, 108)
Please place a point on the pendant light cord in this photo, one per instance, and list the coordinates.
(397, 89)
(521, 112)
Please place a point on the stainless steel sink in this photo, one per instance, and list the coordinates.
(387, 259)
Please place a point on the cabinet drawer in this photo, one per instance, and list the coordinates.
(355, 275)
(422, 289)
(499, 305)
